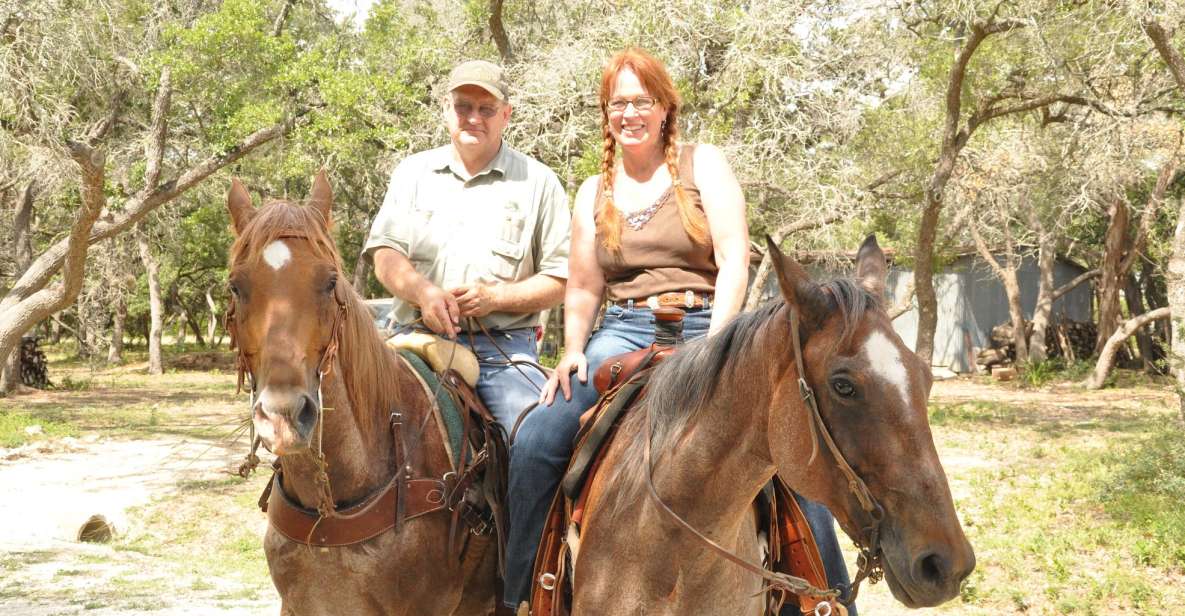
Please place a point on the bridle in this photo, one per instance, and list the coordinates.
(869, 560)
(326, 507)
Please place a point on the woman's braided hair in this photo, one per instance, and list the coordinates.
(658, 83)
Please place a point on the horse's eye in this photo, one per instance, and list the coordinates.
(233, 289)
(843, 388)
(331, 285)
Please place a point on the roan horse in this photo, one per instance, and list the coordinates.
(323, 382)
(726, 413)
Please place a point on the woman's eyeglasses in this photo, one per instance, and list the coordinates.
(641, 103)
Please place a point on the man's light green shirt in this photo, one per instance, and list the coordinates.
(504, 224)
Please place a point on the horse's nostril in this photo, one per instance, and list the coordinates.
(930, 568)
(306, 418)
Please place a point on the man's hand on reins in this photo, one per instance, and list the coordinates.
(439, 310)
(475, 300)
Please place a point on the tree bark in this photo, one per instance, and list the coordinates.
(1046, 258)
(1135, 305)
(1176, 265)
(20, 312)
(212, 325)
(1114, 248)
(10, 377)
(1107, 356)
(361, 269)
(498, 32)
(1176, 296)
(119, 316)
(1172, 57)
(155, 309)
(1007, 276)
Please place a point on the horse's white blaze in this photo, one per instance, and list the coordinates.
(886, 362)
(277, 254)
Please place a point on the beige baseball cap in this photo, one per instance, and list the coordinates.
(485, 75)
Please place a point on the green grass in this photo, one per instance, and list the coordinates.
(13, 425)
(1084, 523)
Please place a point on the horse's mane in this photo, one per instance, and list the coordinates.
(366, 361)
(683, 386)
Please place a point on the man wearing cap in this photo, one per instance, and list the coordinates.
(474, 234)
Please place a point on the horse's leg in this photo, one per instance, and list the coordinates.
(478, 596)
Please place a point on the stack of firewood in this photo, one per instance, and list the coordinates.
(34, 371)
(1072, 340)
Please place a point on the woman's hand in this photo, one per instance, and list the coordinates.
(561, 377)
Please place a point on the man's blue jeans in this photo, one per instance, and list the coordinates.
(541, 449)
(506, 390)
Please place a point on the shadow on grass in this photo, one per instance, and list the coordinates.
(1052, 423)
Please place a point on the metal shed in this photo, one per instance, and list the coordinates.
(971, 301)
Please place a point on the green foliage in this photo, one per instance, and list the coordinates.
(228, 66)
(18, 428)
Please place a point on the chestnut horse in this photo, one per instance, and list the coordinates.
(727, 412)
(325, 384)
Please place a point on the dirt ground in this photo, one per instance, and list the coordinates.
(49, 488)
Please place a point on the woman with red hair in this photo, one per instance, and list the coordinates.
(662, 224)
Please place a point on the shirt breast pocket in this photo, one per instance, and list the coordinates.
(506, 259)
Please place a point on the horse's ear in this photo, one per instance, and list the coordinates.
(322, 195)
(870, 267)
(238, 202)
(797, 287)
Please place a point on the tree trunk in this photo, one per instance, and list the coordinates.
(361, 269)
(1176, 299)
(1016, 312)
(33, 298)
(1107, 356)
(923, 279)
(155, 309)
(10, 375)
(118, 318)
(212, 325)
(1046, 258)
(1006, 274)
(1115, 245)
(1135, 305)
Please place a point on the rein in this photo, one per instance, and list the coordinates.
(869, 563)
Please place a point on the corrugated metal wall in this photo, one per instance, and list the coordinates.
(971, 301)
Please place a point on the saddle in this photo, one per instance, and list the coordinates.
(622, 381)
(439, 353)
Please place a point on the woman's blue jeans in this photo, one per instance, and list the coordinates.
(543, 446)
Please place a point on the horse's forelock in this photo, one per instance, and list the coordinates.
(280, 219)
(367, 358)
(851, 300)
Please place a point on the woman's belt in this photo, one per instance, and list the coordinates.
(680, 299)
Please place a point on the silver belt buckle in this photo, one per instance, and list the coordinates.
(689, 298)
(652, 302)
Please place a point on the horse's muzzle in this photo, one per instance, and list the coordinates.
(284, 419)
(930, 576)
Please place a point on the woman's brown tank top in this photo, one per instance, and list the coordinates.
(659, 256)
